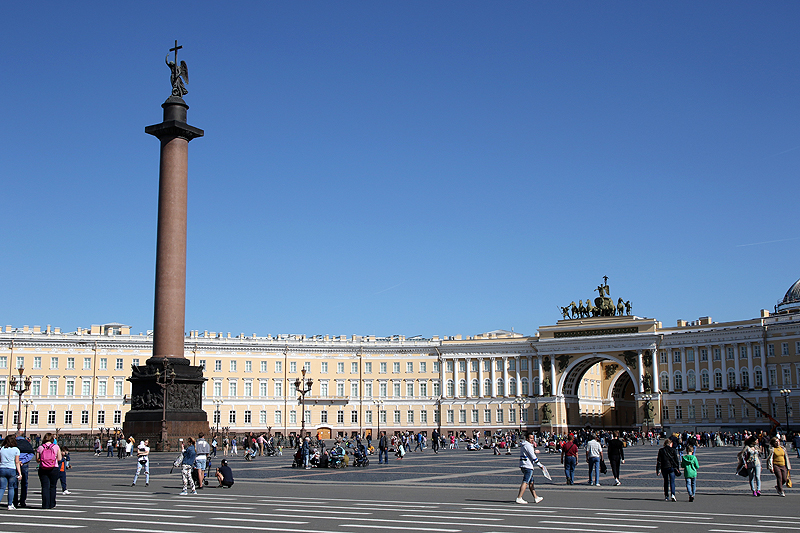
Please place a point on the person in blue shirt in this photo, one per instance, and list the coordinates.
(189, 457)
(26, 453)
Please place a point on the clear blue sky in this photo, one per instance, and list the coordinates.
(417, 168)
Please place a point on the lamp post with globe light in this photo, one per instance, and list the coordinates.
(20, 385)
(786, 393)
(303, 387)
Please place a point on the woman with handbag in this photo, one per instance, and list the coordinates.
(48, 455)
(749, 457)
(668, 465)
(778, 464)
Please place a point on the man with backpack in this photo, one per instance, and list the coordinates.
(202, 449)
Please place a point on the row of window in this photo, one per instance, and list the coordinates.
(744, 379)
(383, 367)
(87, 363)
(33, 419)
(730, 353)
(677, 411)
(103, 388)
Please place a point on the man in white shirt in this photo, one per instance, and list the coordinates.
(203, 448)
(594, 453)
(143, 460)
(527, 460)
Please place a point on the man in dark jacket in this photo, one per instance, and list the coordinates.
(26, 453)
(668, 465)
(383, 449)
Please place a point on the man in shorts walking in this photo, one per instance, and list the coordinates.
(527, 460)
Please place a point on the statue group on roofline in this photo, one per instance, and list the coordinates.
(603, 305)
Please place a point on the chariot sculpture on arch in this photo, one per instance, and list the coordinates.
(603, 305)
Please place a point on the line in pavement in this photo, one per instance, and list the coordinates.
(403, 528)
(564, 522)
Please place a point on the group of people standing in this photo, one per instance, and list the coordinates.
(777, 462)
(15, 454)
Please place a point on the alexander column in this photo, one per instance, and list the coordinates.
(166, 395)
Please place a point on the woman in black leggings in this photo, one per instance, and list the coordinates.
(616, 455)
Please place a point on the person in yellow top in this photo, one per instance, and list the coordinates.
(778, 464)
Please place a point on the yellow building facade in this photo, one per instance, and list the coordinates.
(617, 371)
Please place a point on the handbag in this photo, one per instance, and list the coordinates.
(603, 468)
(789, 479)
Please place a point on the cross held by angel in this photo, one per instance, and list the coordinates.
(179, 73)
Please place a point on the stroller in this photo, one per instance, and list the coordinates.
(249, 453)
(360, 456)
(196, 478)
(336, 457)
(269, 449)
(297, 461)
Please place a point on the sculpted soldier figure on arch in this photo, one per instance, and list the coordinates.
(603, 305)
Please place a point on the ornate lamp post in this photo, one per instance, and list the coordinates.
(165, 381)
(379, 403)
(647, 411)
(26, 403)
(303, 387)
(520, 402)
(20, 385)
(217, 415)
(786, 393)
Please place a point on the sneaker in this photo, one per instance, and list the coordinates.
(194, 492)
(184, 493)
(673, 498)
(616, 483)
(147, 484)
(538, 499)
(666, 499)
(66, 492)
(758, 493)
(755, 493)
(691, 498)
(133, 484)
(783, 494)
(11, 508)
(597, 484)
(520, 500)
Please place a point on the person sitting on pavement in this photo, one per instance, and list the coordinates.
(225, 474)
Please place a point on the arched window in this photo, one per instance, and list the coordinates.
(487, 387)
(451, 389)
(536, 389)
(704, 379)
(501, 389)
(731, 377)
(678, 381)
(462, 388)
(664, 381)
(718, 379)
(525, 389)
(745, 378)
(512, 387)
(476, 389)
(759, 376)
(691, 381)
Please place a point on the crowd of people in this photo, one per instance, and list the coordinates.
(16, 454)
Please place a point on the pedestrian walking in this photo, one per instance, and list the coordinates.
(189, 456)
(569, 458)
(778, 464)
(668, 466)
(48, 454)
(142, 462)
(690, 465)
(594, 454)
(234, 450)
(26, 455)
(202, 449)
(110, 447)
(383, 449)
(10, 469)
(62, 470)
(129, 444)
(616, 455)
(527, 460)
(750, 460)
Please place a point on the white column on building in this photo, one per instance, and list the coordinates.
(671, 377)
(655, 380)
(553, 383)
(480, 377)
(442, 388)
(494, 377)
(505, 377)
(519, 383)
(685, 384)
(541, 373)
(724, 364)
(697, 381)
(736, 363)
(751, 376)
(467, 377)
(710, 367)
(640, 366)
(530, 376)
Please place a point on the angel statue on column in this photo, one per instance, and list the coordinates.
(178, 72)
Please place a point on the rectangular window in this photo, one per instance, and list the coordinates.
(678, 412)
(409, 417)
(368, 368)
(756, 350)
(248, 417)
(279, 367)
(797, 348)
(86, 388)
(354, 368)
(523, 364)
(383, 391)
(451, 416)
(217, 417)
(436, 367)
(368, 389)
(462, 416)
(54, 360)
(323, 389)
(499, 416)
(354, 389)
(248, 366)
(423, 389)
(340, 368)
(68, 418)
(233, 365)
(395, 368)
(135, 362)
(397, 417)
(382, 416)
(437, 388)
(512, 416)
(731, 412)
(102, 388)
(423, 417)
(409, 368)
(293, 367)
(20, 364)
(307, 366)
(217, 388)
(264, 367)
(703, 354)
(704, 411)
(117, 417)
(729, 355)
(784, 348)
(84, 417)
(323, 367)
(3, 361)
(118, 364)
(37, 362)
(101, 418)
(665, 413)
(773, 377)
(87, 363)
(52, 388)
(770, 350)
(487, 416)
(717, 354)
(396, 389)
(339, 389)
(70, 389)
(340, 417)
(232, 417)
(248, 389)
(718, 412)
(263, 388)
(103, 363)
(354, 417)
(448, 366)
(475, 416)
(51, 418)
(232, 389)
(436, 416)
(218, 365)
(787, 377)
(262, 417)
(676, 356)
(368, 417)
(462, 366)
(323, 417)
(278, 418)
(499, 365)
(36, 387)
(410, 389)
(662, 357)
(690, 355)
(743, 352)
(423, 366)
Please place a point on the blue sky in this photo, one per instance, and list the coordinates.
(415, 168)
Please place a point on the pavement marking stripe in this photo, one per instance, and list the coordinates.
(194, 506)
(382, 520)
(571, 529)
(403, 527)
(449, 517)
(150, 515)
(37, 524)
(150, 530)
(321, 511)
(668, 517)
(582, 524)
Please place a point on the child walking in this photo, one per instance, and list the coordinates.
(689, 464)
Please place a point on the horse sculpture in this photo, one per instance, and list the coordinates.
(620, 307)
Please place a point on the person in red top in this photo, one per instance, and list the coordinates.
(569, 458)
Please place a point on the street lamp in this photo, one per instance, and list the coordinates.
(379, 403)
(26, 403)
(20, 385)
(165, 381)
(303, 387)
(786, 393)
(520, 402)
(217, 404)
(647, 410)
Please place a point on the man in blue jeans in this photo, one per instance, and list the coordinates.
(383, 449)
(594, 453)
(26, 454)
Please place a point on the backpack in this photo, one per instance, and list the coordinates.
(48, 456)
